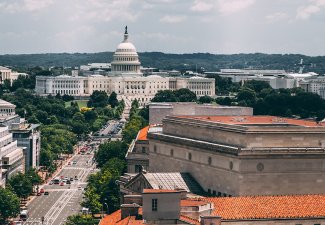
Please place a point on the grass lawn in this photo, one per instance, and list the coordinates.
(81, 103)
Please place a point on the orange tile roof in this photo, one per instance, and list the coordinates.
(189, 220)
(268, 207)
(258, 120)
(188, 202)
(145, 191)
(111, 219)
(142, 134)
(115, 219)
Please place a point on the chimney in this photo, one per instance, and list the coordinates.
(208, 220)
(129, 210)
(129, 199)
(183, 193)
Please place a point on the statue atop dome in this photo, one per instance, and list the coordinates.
(126, 35)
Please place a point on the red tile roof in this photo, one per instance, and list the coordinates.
(187, 202)
(189, 220)
(258, 120)
(268, 207)
(159, 191)
(142, 134)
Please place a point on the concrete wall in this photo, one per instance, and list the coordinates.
(221, 176)
(244, 174)
(168, 206)
(246, 136)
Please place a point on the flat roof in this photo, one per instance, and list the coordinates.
(256, 120)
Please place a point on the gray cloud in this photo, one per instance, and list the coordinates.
(179, 26)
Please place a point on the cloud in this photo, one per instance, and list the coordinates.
(224, 7)
(99, 10)
(25, 5)
(202, 6)
(306, 11)
(276, 17)
(172, 19)
(233, 6)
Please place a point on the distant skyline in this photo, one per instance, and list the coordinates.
(170, 26)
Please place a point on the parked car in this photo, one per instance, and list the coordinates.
(46, 193)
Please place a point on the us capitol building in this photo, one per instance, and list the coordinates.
(125, 79)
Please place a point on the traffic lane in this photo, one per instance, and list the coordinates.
(70, 208)
(109, 128)
(42, 204)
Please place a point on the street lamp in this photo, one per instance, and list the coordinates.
(103, 207)
(106, 207)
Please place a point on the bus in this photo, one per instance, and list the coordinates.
(24, 215)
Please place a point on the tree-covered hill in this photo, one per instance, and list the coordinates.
(210, 62)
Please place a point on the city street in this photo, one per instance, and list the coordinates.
(62, 201)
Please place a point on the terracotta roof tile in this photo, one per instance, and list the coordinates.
(258, 120)
(267, 207)
(187, 202)
(142, 134)
(189, 220)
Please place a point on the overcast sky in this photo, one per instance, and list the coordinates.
(171, 26)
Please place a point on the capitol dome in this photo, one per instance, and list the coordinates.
(125, 58)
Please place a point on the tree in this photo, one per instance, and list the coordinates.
(205, 99)
(112, 100)
(92, 200)
(21, 185)
(81, 220)
(33, 176)
(185, 95)
(257, 85)
(109, 150)
(164, 96)
(98, 99)
(9, 205)
(247, 96)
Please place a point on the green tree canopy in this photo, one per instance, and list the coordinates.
(9, 205)
(112, 100)
(81, 220)
(98, 99)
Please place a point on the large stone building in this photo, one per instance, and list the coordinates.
(315, 84)
(125, 79)
(8, 74)
(11, 156)
(242, 155)
(27, 135)
(276, 78)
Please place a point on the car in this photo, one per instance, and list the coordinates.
(61, 177)
(69, 163)
(42, 190)
(76, 178)
(71, 178)
(79, 188)
(39, 194)
(62, 184)
(66, 178)
(18, 222)
(68, 182)
(51, 182)
(46, 193)
(74, 162)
